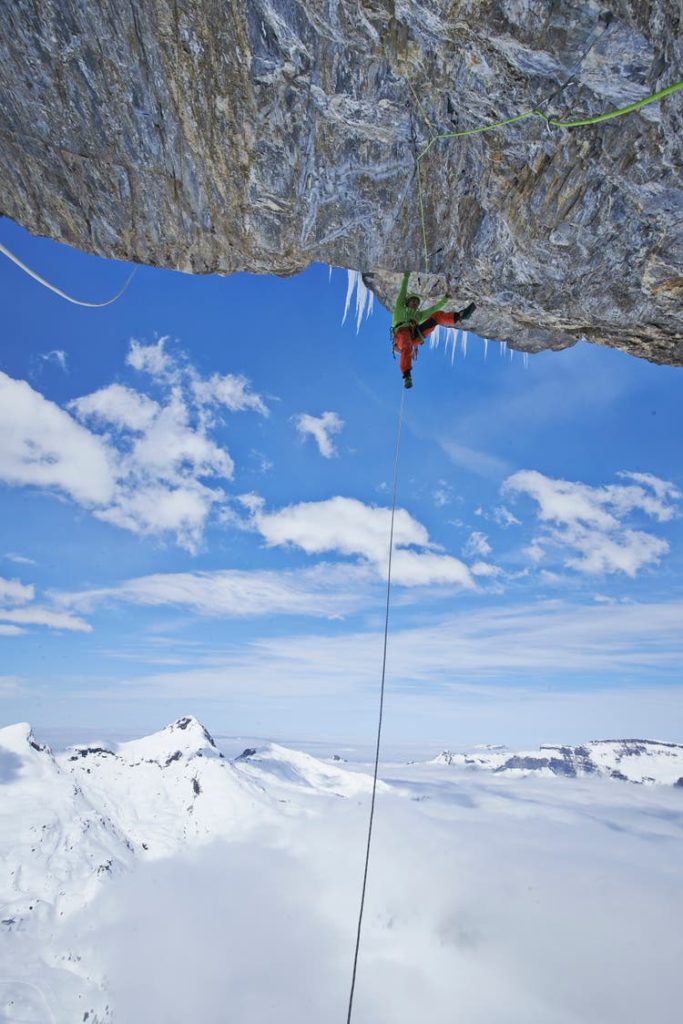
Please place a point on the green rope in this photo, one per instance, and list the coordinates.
(554, 122)
(654, 98)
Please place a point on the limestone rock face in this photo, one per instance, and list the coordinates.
(215, 136)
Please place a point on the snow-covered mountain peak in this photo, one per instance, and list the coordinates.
(184, 738)
(293, 767)
(19, 739)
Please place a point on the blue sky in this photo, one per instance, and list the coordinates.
(194, 490)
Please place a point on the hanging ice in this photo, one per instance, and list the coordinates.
(465, 336)
(486, 348)
(365, 299)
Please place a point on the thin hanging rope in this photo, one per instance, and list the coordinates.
(58, 291)
(381, 712)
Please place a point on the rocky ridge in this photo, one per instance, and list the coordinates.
(265, 135)
(645, 762)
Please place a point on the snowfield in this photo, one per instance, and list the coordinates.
(158, 881)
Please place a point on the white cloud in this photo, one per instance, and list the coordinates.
(17, 610)
(477, 544)
(504, 517)
(171, 448)
(153, 360)
(589, 523)
(662, 488)
(320, 428)
(230, 390)
(14, 592)
(142, 463)
(120, 406)
(43, 446)
(156, 508)
(325, 591)
(350, 527)
(485, 569)
(36, 615)
(442, 494)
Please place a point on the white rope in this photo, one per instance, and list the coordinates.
(58, 291)
(380, 716)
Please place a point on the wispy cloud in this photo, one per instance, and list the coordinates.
(324, 591)
(490, 652)
(56, 356)
(37, 615)
(320, 428)
(477, 544)
(12, 556)
(17, 609)
(475, 460)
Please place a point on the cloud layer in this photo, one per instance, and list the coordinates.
(563, 891)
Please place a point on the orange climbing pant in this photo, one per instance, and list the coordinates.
(407, 336)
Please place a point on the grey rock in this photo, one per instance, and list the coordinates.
(215, 137)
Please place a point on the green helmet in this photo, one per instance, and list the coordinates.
(409, 298)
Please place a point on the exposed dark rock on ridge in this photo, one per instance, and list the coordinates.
(630, 760)
(211, 136)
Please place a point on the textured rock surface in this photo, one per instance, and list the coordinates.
(215, 136)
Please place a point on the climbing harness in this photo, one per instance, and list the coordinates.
(58, 291)
(536, 112)
(381, 712)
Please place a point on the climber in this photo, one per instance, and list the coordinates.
(410, 325)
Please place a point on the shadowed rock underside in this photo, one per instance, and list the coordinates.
(214, 137)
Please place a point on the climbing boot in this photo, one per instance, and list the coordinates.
(407, 379)
(466, 313)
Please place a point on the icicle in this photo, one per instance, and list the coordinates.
(351, 276)
(525, 359)
(438, 336)
(361, 298)
(454, 345)
(486, 348)
(329, 273)
(465, 336)
(365, 299)
(512, 354)
(503, 348)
